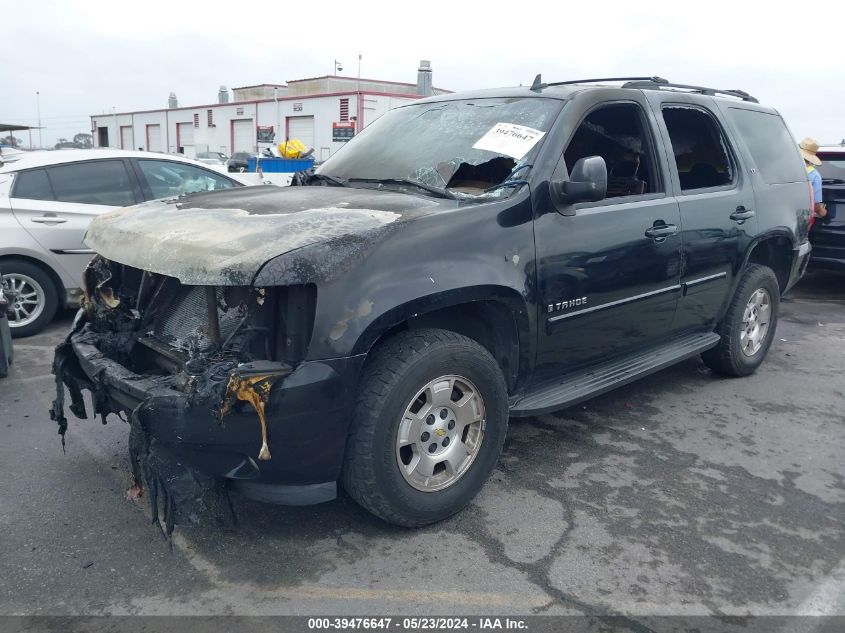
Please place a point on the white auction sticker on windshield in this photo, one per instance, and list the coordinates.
(509, 139)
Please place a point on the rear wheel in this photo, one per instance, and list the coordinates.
(35, 297)
(748, 327)
(429, 425)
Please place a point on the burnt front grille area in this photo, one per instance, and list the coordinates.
(186, 317)
(154, 324)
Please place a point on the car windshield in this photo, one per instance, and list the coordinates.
(464, 148)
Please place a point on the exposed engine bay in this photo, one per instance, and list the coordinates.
(150, 349)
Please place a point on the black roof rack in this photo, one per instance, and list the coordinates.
(646, 83)
(539, 85)
(653, 85)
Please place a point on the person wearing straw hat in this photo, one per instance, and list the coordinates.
(809, 148)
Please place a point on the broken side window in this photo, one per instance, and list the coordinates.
(700, 149)
(617, 132)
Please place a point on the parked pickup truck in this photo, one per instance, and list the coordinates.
(465, 259)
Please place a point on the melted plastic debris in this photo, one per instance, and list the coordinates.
(256, 391)
(178, 494)
(107, 295)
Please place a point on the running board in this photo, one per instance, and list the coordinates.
(599, 379)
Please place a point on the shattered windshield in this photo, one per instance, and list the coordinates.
(467, 148)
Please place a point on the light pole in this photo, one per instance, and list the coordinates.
(359, 106)
(38, 110)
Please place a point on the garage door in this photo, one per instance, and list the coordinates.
(243, 136)
(154, 138)
(301, 127)
(126, 141)
(184, 136)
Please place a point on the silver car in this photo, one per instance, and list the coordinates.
(47, 200)
(212, 158)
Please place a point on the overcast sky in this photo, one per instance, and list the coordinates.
(86, 57)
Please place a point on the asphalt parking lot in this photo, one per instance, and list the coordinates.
(682, 494)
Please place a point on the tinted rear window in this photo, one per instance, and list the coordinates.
(771, 145)
(98, 182)
(832, 167)
(33, 185)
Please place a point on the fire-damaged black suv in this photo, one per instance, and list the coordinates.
(464, 259)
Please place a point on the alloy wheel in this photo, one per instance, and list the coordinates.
(755, 322)
(29, 299)
(440, 433)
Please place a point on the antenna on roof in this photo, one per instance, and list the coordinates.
(538, 83)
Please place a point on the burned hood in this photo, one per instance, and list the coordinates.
(223, 238)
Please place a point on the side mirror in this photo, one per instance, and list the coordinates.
(587, 183)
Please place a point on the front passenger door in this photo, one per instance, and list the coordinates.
(170, 179)
(609, 271)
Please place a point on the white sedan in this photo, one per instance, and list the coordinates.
(47, 200)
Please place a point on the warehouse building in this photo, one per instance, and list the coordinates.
(322, 112)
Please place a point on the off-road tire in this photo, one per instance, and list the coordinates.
(727, 357)
(396, 370)
(51, 295)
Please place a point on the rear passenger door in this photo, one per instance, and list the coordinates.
(716, 200)
(55, 204)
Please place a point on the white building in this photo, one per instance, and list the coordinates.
(322, 112)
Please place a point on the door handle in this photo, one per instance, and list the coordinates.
(742, 214)
(659, 232)
(48, 219)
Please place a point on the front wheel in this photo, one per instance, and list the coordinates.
(35, 299)
(429, 425)
(748, 327)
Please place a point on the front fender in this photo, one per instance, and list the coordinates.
(369, 283)
(421, 306)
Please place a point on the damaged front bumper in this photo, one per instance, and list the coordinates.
(212, 425)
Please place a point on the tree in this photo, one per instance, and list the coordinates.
(80, 141)
(83, 140)
(10, 140)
